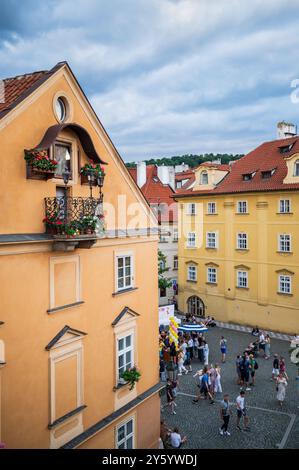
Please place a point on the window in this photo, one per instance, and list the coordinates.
(212, 275)
(62, 154)
(162, 264)
(296, 169)
(242, 207)
(211, 207)
(204, 179)
(125, 352)
(175, 235)
(248, 176)
(191, 209)
(60, 108)
(65, 281)
(267, 174)
(284, 206)
(163, 238)
(175, 262)
(191, 240)
(125, 435)
(162, 292)
(192, 273)
(242, 241)
(212, 240)
(178, 184)
(284, 243)
(242, 279)
(124, 272)
(285, 284)
(286, 148)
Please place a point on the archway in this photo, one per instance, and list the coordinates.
(196, 306)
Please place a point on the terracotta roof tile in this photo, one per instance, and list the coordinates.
(266, 157)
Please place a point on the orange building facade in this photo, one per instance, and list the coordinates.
(77, 306)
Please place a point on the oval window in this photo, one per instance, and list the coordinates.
(60, 109)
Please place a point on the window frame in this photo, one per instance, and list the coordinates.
(191, 208)
(244, 276)
(175, 262)
(281, 242)
(206, 174)
(188, 240)
(289, 282)
(209, 212)
(124, 351)
(239, 247)
(280, 206)
(131, 435)
(194, 268)
(209, 268)
(296, 167)
(123, 255)
(215, 239)
(238, 207)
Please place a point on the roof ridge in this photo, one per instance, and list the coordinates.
(29, 74)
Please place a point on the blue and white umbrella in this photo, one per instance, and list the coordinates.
(190, 328)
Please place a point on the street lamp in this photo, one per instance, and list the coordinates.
(90, 177)
(100, 183)
(66, 177)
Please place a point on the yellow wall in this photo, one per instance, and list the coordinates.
(26, 288)
(260, 304)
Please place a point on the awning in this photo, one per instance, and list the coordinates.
(52, 133)
(190, 328)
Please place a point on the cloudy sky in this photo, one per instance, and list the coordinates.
(166, 77)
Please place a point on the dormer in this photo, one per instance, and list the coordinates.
(292, 163)
(208, 175)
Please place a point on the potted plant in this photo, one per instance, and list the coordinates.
(89, 223)
(96, 170)
(131, 376)
(40, 162)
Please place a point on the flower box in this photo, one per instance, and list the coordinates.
(84, 180)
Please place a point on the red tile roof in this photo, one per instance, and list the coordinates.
(264, 158)
(221, 167)
(16, 89)
(156, 192)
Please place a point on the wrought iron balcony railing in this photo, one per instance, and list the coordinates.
(72, 216)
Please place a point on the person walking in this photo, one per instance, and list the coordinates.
(267, 346)
(223, 348)
(170, 397)
(241, 411)
(238, 369)
(253, 366)
(244, 367)
(225, 414)
(281, 385)
(200, 348)
(176, 440)
(204, 389)
(181, 367)
(275, 369)
(282, 367)
(262, 342)
(218, 387)
(206, 353)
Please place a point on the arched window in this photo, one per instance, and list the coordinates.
(196, 306)
(204, 179)
(296, 168)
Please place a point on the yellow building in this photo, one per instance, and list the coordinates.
(239, 236)
(77, 307)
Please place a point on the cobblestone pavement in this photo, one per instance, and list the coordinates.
(271, 427)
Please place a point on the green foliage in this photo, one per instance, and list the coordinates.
(189, 159)
(131, 376)
(162, 268)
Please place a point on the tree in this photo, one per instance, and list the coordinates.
(164, 282)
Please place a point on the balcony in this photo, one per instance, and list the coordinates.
(74, 222)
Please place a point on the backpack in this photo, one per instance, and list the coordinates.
(256, 366)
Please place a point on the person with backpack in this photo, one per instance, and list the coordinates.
(223, 348)
(253, 366)
(244, 368)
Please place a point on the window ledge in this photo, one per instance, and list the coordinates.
(285, 293)
(65, 417)
(242, 213)
(124, 291)
(211, 213)
(175, 269)
(211, 248)
(64, 307)
(284, 213)
(212, 283)
(243, 288)
(242, 249)
(284, 252)
(190, 280)
(119, 386)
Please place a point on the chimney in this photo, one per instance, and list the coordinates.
(141, 174)
(286, 129)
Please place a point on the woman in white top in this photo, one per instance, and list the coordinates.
(181, 367)
(176, 439)
(206, 353)
(218, 387)
(281, 385)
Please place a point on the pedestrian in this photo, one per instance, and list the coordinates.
(282, 367)
(225, 413)
(204, 389)
(198, 374)
(223, 348)
(281, 385)
(253, 366)
(238, 369)
(267, 346)
(244, 367)
(218, 387)
(200, 350)
(170, 397)
(181, 359)
(242, 412)
(206, 353)
(176, 440)
(275, 370)
(212, 380)
(262, 342)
